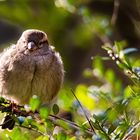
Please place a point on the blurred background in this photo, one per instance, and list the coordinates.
(76, 28)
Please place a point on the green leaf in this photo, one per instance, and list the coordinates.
(96, 117)
(43, 138)
(120, 45)
(43, 111)
(73, 138)
(134, 104)
(29, 119)
(100, 117)
(110, 76)
(55, 109)
(61, 136)
(104, 136)
(34, 103)
(128, 92)
(107, 47)
(17, 134)
(122, 65)
(49, 124)
(87, 73)
(82, 94)
(111, 129)
(2, 100)
(112, 114)
(34, 126)
(96, 125)
(98, 65)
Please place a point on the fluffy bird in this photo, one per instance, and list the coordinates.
(31, 67)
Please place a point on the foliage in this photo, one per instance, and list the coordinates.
(102, 108)
(104, 111)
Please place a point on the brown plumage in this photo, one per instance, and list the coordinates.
(31, 67)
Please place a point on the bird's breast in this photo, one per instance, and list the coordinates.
(34, 74)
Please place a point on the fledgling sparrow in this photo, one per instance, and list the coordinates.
(31, 67)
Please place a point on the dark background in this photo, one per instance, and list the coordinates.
(76, 28)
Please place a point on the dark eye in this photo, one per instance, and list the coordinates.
(43, 42)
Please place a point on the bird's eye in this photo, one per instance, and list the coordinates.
(43, 42)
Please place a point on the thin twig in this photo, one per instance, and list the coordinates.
(72, 124)
(115, 12)
(83, 111)
(65, 120)
(20, 112)
(131, 131)
(30, 128)
(104, 39)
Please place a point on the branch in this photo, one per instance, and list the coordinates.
(14, 109)
(30, 128)
(84, 112)
(115, 12)
(131, 131)
(72, 124)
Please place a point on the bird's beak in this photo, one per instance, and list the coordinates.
(32, 46)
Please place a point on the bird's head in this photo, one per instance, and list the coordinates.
(33, 39)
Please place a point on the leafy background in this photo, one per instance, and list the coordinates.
(99, 43)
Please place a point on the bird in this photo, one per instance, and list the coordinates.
(31, 67)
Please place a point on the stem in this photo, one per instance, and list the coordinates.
(20, 112)
(84, 112)
(115, 11)
(72, 124)
(30, 128)
(131, 131)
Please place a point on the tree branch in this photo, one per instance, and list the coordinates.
(14, 109)
(115, 12)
